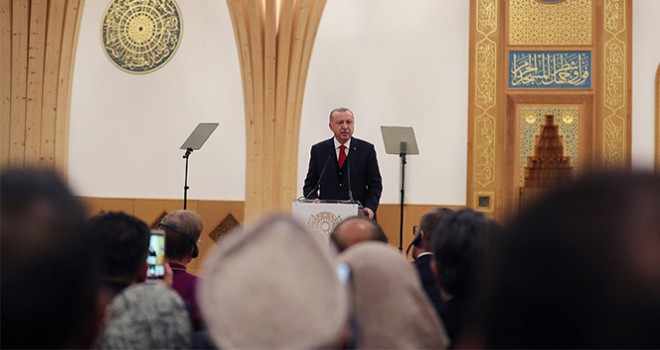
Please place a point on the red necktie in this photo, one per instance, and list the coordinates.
(342, 155)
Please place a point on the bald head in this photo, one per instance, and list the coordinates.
(354, 230)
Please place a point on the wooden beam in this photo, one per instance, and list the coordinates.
(36, 53)
(19, 64)
(5, 80)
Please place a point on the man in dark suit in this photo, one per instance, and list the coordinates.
(344, 167)
(423, 253)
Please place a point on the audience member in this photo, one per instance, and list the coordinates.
(49, 273)
(356, 229)
(147, 316)
(581, 269)
(273, 286)
(461, 243)
(423, 253)
(390, 306)
(182, 231)
(123, 242)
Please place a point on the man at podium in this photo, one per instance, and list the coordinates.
(344, 167)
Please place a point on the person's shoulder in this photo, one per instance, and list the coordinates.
(323, 143)
(423, 258)
(360, 142)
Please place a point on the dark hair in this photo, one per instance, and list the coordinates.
(123, 243)
(460, 243)
(581, 269)
(429, 222)
(48, 269)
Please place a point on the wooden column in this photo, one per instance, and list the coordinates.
(657, 120)
(274, 40)
(37, 50)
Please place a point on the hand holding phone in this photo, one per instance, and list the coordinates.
(156, 257)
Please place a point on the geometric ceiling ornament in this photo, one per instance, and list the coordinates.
(571, 23)
(140, 36)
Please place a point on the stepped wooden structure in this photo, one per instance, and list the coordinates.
(548, 166)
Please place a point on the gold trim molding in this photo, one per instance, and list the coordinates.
(615, 125)
(485, 95)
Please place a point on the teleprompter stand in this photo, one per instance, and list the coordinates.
(194, 142)
(400, 140)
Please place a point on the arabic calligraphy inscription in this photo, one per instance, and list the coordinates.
(484, 130)
(140, 36)
(614, 74)
(557, 69)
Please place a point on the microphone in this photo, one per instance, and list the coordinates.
(348, 170)
(318, 184)
(350, 191)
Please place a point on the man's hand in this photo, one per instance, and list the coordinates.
(368, 212)
(169, 275)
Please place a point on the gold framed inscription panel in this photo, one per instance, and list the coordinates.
(599, 29)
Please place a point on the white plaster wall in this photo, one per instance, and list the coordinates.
(402, 63)
(394, 62)
(646, 57)
(126, 129)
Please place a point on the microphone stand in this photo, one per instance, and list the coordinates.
(185, 184)
(403, 182)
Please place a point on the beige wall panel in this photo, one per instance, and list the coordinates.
(150, 210)
(98, 205)
(5, 80)
(389, 218)
(213, 212)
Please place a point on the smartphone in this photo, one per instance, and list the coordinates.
(156, 257)
(343, 272)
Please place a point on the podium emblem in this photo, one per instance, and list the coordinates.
(324, 222)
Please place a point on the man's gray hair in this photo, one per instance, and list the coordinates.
(341, 109)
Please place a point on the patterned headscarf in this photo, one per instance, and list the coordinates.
(147, 316)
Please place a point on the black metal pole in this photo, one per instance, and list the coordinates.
(185, 184)
(403, 191)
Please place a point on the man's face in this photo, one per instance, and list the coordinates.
(342, 125)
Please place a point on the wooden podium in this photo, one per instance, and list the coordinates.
(322, 217)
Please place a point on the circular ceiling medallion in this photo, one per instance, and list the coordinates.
(140, 36)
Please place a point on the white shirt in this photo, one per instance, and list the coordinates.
(337, 144)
